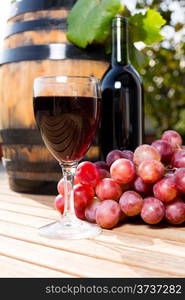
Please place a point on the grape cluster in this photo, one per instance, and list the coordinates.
(149, 182)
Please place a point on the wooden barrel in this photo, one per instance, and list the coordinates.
(35, 45)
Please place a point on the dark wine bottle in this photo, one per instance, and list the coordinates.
(122, 96)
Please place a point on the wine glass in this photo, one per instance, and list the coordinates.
(67, 111)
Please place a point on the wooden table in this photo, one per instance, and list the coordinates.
(131, 250)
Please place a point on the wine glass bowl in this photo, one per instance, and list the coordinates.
(67, 111)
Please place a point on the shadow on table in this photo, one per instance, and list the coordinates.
(138, 221)
(43, 199)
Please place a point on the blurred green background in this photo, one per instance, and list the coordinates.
(164, 75)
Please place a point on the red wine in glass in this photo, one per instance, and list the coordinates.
(67, 124)
(67, 112)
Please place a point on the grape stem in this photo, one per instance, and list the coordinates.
(167, 169)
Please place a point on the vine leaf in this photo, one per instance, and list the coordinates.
(146, 27)
(90, 21)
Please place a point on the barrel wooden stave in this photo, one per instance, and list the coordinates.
(30, 16)
(39, 36)
(35, 38)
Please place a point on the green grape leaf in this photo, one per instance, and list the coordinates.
(90, 21)
(146, 28)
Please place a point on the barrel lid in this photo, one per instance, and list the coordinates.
(23, 6)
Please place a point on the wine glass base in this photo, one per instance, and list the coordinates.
(72, 229)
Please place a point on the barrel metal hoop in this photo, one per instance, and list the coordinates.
(22, 7)
(21, 137)
(39, 24)
(35, 167)
(54, 51)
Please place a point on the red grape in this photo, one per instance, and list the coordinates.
(152, 211)
(165, 149)
(173, 137)
(122, 171)
(83, 195)
(90, 211)
(113, 156)
(76, 180)
(108, 214)
(107, 188)
(142, 187)
(131, 203)
(80, 213)
(60, 186)
(151, 170)
(180, 179)
(175, 211)
(128, 154)
(146, 152)
(87, 173)
(101, 165)
(104, 173)
(59, 203)
(165, 189)
(178, 159)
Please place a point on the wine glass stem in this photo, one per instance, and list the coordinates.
(68, 171)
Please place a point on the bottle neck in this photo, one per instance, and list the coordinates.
(120, 50)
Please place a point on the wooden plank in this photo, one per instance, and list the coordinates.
(11, 267)
(27, 201)
(6, 193)
(115, 236)
(29, 210)
(75, 264)
(27, 220)
(109, 237)
(167, 232)
(119, 253)
(143, 250)
(146, 243)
